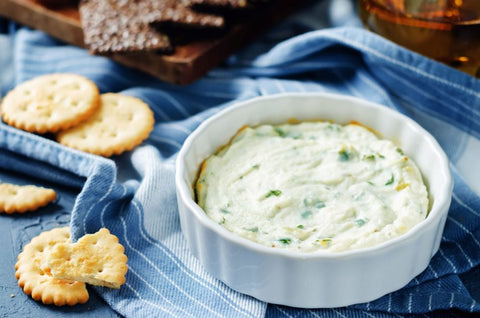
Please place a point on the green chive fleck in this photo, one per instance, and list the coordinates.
(343, 155)
(360, 222)
(370, 183)
(300, 226)
(400, 151)
(320, 204)
(280, 132)
(317, 203)
(324, 242)
(295, 135)
(389, 182)
(253, 229)
(380, 155)
(331, 127)
(222, 221)
(273, 192)
(256, 166)
(369, 157)
(285, 241)
(224, 211)
(306, 214)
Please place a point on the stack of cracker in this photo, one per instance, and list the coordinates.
(53, 270)
(126, 26)
(71, 107)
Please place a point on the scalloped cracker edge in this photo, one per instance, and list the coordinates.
(34, 275)
(21, 199)
(50, 103)
(120, 124)
(96, 259)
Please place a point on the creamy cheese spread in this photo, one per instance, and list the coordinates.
(312, 186)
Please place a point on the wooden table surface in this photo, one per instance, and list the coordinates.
(188, 62)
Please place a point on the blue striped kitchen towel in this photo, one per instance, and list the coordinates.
(134, 194)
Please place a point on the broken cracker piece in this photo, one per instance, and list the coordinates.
(34, 275)
(96, 259)
(20, 199)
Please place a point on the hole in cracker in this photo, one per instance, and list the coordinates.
(53, 82)
(46, 114)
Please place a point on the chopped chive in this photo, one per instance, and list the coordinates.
(389, 182)
(280, 132)
(320, 204)
(256, 166)
(225, 211)
(317, 203)
(370, 183)
(222, 221)
(343, 155)
(400, 151)
(273, 192)
(300, 226)
(285, 240)
(369, 157)
(380, 155)
(253, 229)
(295, 135)
(331, 127)
(306, 214)
(324, 242)
(360, 222)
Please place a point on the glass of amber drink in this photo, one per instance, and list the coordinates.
(445, 30)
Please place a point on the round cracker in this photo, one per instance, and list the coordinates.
(50, 103)
(34, 274)
(121, 123)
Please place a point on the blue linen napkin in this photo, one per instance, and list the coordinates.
(134, 194)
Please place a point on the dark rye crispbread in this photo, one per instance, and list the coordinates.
(175, 13)
(232, 5)
(112, 26)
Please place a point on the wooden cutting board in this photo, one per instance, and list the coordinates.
(189, 61)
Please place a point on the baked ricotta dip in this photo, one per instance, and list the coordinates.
(312, 186)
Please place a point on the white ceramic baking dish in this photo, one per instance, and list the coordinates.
(318, 279)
